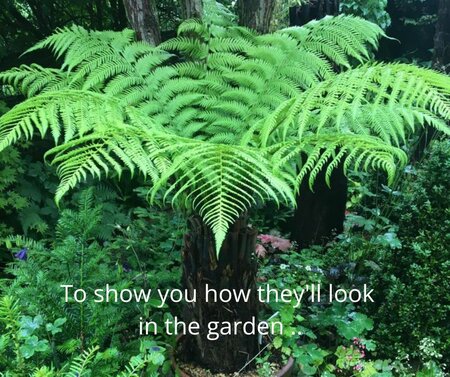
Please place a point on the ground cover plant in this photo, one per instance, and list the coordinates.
(219, 122)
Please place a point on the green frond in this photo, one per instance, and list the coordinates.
(220, 182)
(78, 367)
(374, 100)
(327, 152)
(338, 38)
(136, 365)
(221, 118)
(80, 112)
(43, 372)
(34, 79)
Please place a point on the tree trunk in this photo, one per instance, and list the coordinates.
(235, 269)
(143, 18)
(442, 37)
(192, 9)
(256, 14)
(313, 10)
(320, 214)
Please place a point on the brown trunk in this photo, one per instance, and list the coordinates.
(320, 214)
(143, 18)
(192, 8)
(313, 10)
(235, 269)
(256, 14)
(442, 37)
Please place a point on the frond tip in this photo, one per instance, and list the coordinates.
(221, 182)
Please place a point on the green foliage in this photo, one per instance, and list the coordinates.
(395, 241)
(43, 329)
(416, 275)
(319, 336)
(372, 10)
(264, 100)
(26, 189)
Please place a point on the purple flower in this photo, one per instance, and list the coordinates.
(22, 254)
(155, 349)
(126, 267)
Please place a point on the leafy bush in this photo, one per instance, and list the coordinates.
(327, 339)
(87, 250)
(396, 242)
(414, 279)
(371, 10)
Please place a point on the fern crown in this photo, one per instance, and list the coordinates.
(221, 118)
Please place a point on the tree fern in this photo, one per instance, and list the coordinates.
(220, 117)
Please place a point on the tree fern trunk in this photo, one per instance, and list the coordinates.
(320, 215)
(143, 18)
(235, 269)
(442, 37)
(193, 9)
(315, 9)
(256, 14)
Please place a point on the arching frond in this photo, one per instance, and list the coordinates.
(79, 365)
(234, 119)
(220, 182)
(384, 100)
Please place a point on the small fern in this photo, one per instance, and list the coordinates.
(79, 366)
(134, 367)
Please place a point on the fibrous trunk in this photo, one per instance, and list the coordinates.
(143, 18)
(193, 8)
(234, 269)
(442, 37)
(314, 9)
(256, 14)
(320, 213)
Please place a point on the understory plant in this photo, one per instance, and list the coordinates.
(39, 328)
(324, 338)
(220, 119)
(394, 242)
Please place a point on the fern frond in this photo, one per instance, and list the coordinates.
(221, 182)
(78, 367)
(44, 372)
(136, 364)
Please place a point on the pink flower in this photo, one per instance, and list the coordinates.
(276, 242)
(281, 244)
(265, 238)
(260, 251)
